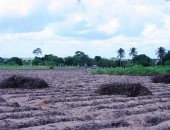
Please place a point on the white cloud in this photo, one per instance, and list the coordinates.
(110, 27)
(76, 17)
(61, 6)
(71, 21)
(16, 7)
(145, 10)
(45, 33)
(157, 34)
(149, 30)
(166, 20)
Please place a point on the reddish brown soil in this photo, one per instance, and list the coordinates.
(70, 103)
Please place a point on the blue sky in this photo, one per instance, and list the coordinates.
(96, 27)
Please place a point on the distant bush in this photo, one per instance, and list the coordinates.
(1, 60)
(128, 89)
(18, 81)
(14, 61)
(134, 70)
(51, 67)
(69, 61)
(105, 63)
(167, 62)
(129, 64)
(142, 60)
(166, 58)
(37, 61)
(161, 78)
(51, 60)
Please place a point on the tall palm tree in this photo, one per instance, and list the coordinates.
(121, 54)
(133, 53)
(161, 53)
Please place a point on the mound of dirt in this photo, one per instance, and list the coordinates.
(18, 81)
(161, 78)
(121, 123)
(14, 104)
(2, 100)
(131, 90)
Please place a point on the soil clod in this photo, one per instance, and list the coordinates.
(15, 104)
(121, 123)
(2, 100)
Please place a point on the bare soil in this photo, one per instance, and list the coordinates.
(71, 103)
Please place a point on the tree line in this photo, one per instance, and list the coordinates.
(80, 59)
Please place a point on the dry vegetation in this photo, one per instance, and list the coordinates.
(71, 102)
(128, 89)
(161, 78)
(20, 81)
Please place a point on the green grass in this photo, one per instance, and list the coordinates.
(134, 70)
(7, 67)
(10, 67)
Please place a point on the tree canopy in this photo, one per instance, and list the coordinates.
(161, 53)
(37, 51)
(81, 59)
(133, 52)
(14, 61)
(142, 60)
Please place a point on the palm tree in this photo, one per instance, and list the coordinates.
(37, 51)
(121, 54)
(161, 53)
(133, 52)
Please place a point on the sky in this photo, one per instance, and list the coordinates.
(96, 27)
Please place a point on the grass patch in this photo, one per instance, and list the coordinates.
(7, 67)
(134, 70)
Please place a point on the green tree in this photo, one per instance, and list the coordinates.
(37, 61)
(14, 61)
(142, 60)
(79, 53)
(1, 60)
(37, 51)
(81, 59)
(161, 53)
(166, 59)
(52, 60)
(121, 54)
(104, 62)
(69, 61)
(97, 60)
(133, 52)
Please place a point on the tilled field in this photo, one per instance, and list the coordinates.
(71, 103)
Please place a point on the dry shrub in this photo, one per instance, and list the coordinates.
(131, 90)
(19, 81)
(161, 78)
